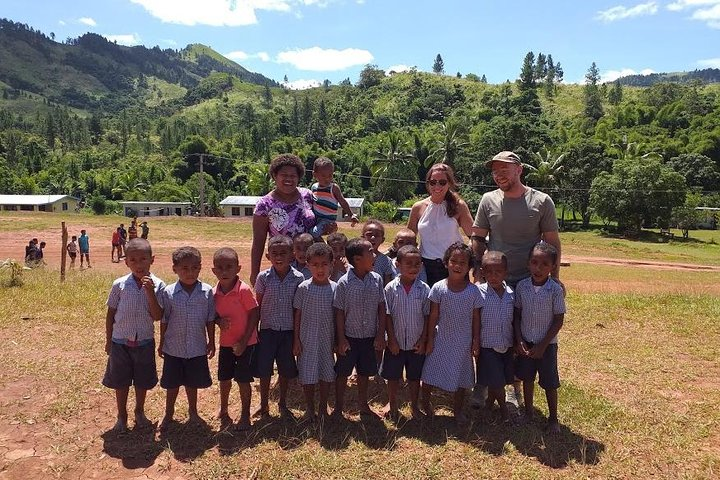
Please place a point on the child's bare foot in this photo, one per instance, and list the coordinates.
(416, 412)
(243, 424)
(194, 418)
(141, 420)
(428, 408)
(390, 413)
(365, 410)
(120, 426)
(165, 423)
(337, 414)
(225, 420)
(285, 413)
(553, 428)
(262, 412)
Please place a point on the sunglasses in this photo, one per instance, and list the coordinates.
(442, 183)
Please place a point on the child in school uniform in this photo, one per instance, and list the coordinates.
(374, 232)
(133, 307)
(453, 332)
(300, 245)
(539, 316)
(403, 237)
(337, 242)
(495, 363)
(238, 314)
(315, 330)
(275, 289)
(359, 323)
(72, 249)
(408, 307)
(187, 334)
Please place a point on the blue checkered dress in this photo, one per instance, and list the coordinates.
(276, 309)
(538, 308)
(317, 332)
(496, 317)
(450, 365)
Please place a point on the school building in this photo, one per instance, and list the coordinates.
(156, 209)
(243, 206)
(38, 203)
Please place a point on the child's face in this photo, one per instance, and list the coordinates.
(404, 238)
(410, 266)
(188, 270)
(226, 270)
(280, 257)
(365, 261)
(138, 261)
(320, 267)
(338, 248)
(458, 264)
(324, 175)
(374, 234)
(540, 266)
(299, 251)
(495, 273)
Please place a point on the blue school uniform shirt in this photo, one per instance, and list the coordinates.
(538, 306)
(133, 322)
(187, 315)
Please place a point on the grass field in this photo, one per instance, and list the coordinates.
(638, 360)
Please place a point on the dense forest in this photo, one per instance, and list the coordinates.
(105, 123)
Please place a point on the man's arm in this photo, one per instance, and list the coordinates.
(553, 238)
(479, 246)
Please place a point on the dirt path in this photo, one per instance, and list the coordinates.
(640, 263)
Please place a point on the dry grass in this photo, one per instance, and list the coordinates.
(638, 357)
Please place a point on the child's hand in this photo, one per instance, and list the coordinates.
(160, 352)
(343, 346)
(475, 348)
(297, 348)
(107, 347)
(223, 323)
(429, 346)
(521, 348)
(379, 342)
(239, 348)
(210, 350)
(147, 283)
(419, 347)
(393, 346)
(537, 351)
(353, 220)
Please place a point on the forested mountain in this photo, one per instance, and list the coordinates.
(707, 75)
(628, 154)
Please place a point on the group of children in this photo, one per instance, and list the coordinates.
(322, 311)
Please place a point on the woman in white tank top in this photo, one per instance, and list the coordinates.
(438, 218)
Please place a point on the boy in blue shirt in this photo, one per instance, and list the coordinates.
(84, 245)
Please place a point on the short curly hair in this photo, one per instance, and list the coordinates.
(284, 160)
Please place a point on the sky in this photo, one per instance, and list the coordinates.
(312, 40)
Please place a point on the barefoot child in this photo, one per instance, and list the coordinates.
(408, 307)
(300, 245)
(275, 289)
(315, 329)
(130, 333)
(326, 197)
(359, 323)
(539, 316)
(495, 363)
(238, 312)
(72, 250)
(337, 242)
(187, 333)
(84, 245)
(453, 331)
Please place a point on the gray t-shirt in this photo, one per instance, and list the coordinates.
(516, 225)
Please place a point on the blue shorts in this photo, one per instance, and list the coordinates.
(128, 366)
(361, 357)
(546, 368)
(185, 372)
(232, 367)
(393, 365)
(274, 347)
(495, 370)
(319, 229)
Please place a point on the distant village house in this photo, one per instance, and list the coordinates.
(39, 203)
(243, 206)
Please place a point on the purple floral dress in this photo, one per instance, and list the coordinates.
(289, 219)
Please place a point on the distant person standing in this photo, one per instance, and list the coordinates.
(84, 245)
(116, 247)
(123, 239)
(72, 249)
(132, 230)
(144, 230)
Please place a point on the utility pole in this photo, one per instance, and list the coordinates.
(202, 186)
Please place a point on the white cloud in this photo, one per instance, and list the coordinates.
(612, 75)
(398, 68)
(683, 4)
(216, 13)
(240, 56)
(61, 22)
(263, 56)
(711, 16)
(302, 84)
(87, 21)
(323, 60)
(169, 41)
(709, 63)
(621, 12)
(129, 39)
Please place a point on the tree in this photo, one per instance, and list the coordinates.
(584, 160)
(638, 191)
(686, 217)
(370, 76)
(267, 97)
(527, 73)
(393, 169)
(615, 95)
(549, 80)
(439, 66)
(591, 92)
(448, 147)
(541, 67)
(698, 170)
(545, 171)
(483, 79)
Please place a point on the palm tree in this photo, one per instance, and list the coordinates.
(391, 166)
(128, 184)
(258, 179)
(449, 146)
(546, 174)
(631, 150)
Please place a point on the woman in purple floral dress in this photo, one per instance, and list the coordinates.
(286, 210)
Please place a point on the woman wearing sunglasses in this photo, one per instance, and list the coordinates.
(437, 220)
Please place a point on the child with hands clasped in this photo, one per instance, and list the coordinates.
(359, 304)
(453, 332)
(130, 333)
(326, 198)
(315, 329)
(495, 364)
(539, 316)
(187, 333)
(275, 289)
(408, 307)
(238, 314)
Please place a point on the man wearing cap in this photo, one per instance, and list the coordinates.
(513, 219)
